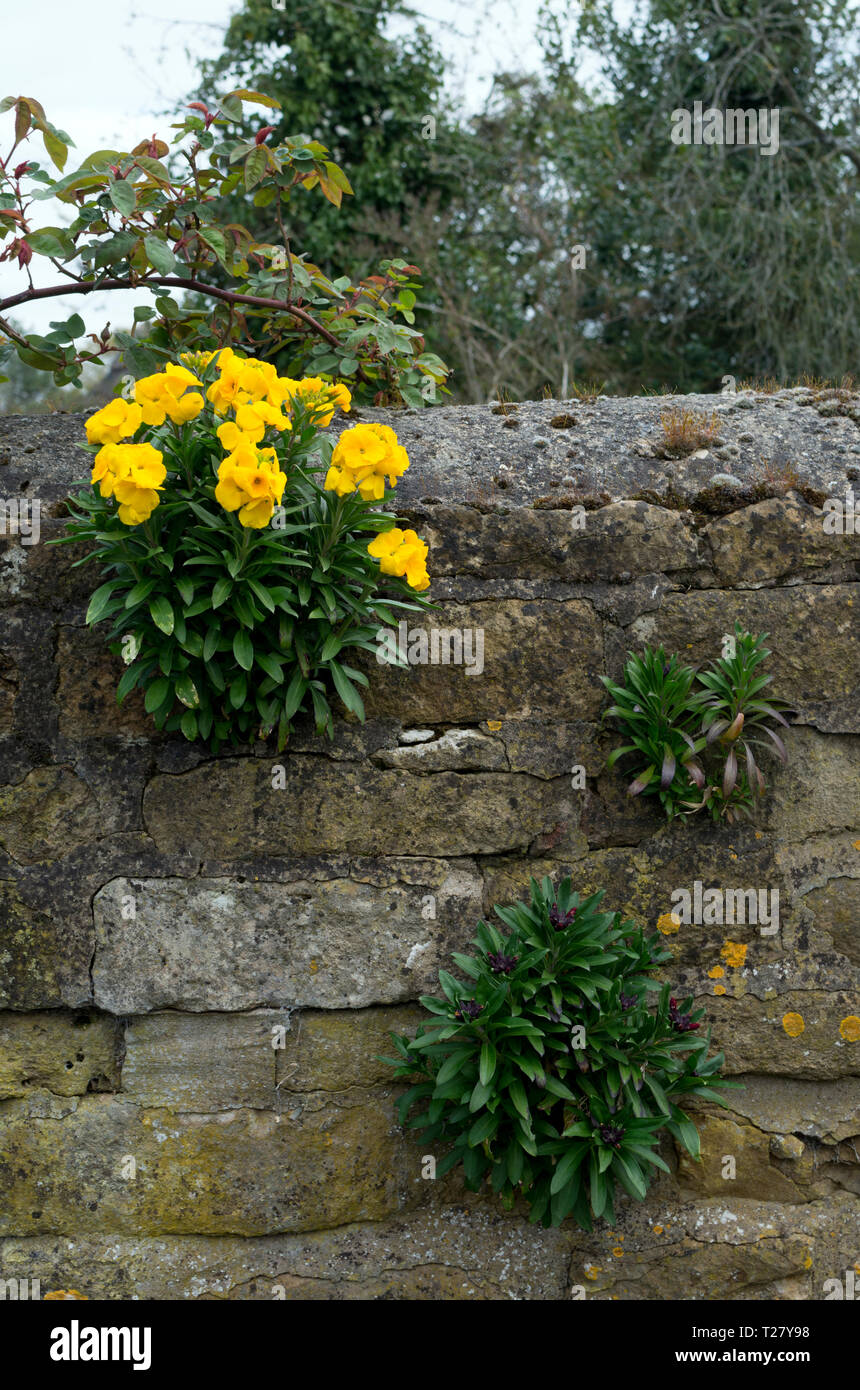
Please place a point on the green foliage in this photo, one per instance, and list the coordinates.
(656, 712)
(671, 714)
(545, 1070)
(700, 261)
(159, 221)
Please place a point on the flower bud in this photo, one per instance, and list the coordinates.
(261, 134)
(25, 253)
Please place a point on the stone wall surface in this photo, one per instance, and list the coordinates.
(326, 906)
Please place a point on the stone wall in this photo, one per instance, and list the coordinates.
(163, 910)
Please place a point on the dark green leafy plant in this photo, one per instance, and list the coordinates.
(545, 1070)
(237, 582)
(679, 721)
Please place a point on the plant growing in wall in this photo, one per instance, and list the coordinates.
(547, 1070)
(237, 582)
(690, 731)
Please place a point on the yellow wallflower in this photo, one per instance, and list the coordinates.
(363, 457)
(315, 394)
(132, 473)
(251, 423)
(115, 421)
(250, 482)
(160, 396)
(402, 553)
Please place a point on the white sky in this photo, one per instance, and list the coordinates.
(105, 71)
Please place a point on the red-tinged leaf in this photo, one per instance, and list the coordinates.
(752, 771)
(716, 729)
(730, 773)
(780, 746)
(22, 119)
(259, 98)
(696, 773)
(255, 167)
(667, 771)
(733, 730)
(641, 782)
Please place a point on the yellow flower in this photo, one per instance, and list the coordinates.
(250, 482)
(159, 395)
(402, 553)
(115, 421)
(363, 457)
(315, 394)
(251, 423)
(132, 473)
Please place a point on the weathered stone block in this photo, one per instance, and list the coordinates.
(541, 659)
(211, 1062)
(212, 944)
(240, 1172)
(67, 1054)
(230, 807)
(774, 538)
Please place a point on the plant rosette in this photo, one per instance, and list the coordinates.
(546, 1071)
(245, 555)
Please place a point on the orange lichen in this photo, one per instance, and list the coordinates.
(849, 1028)
(716, 972)
(793, 1024)
(734, 953)
(668, 923)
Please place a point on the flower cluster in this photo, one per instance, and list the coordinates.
(499, 963)
(132, 473)
(250, 482)
(682, 1023)
(165, 396)
(363, 458)
(402, 553)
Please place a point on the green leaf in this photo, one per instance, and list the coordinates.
(122, 195)
(57, 150)
(141, 590)
(160, 254)
(256, 165)
(346, 690)
(517, 1093)
(216, 242)
(485, 1126)
(188, 724)
(488, 1063)
(100, 601)
(186, 691)
(162, 614)
(243, 650)
(156, 695)
(210, 643)
(221, 591)
(270, 665)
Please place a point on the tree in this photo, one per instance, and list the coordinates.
(376, 102)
